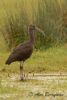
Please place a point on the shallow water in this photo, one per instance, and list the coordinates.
(36, 87)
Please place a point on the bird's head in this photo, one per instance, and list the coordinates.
(35, 28)
(32, 27)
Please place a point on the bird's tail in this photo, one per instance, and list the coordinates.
(8, 62)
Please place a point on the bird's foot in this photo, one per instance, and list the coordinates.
(21, 78)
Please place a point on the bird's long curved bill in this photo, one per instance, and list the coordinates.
(41, 31)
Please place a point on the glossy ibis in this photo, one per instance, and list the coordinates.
(23, 51)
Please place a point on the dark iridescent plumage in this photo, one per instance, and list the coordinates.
(23, 51)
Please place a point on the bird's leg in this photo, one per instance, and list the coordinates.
(21, 71)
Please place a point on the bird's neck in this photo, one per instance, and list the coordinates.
(32, 39)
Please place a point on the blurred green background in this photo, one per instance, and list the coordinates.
(49, 15)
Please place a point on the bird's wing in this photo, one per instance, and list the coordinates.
(22, 48)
